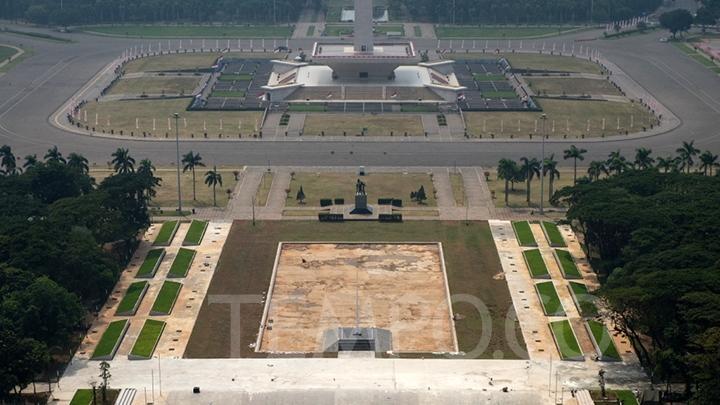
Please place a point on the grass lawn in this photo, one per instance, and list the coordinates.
(156, 85)
(6, 53)
(173, 62)
(166, 234)
(458, 188)
(137, 116)
(341, 30)
(147, 339)
(524, 233)
(196, 232)
(566, 118)
(500, 94)
(84, 396)
(307, 108)
(245, 267)
(232, 93)
(567, 264)
(353, 124)
(517, 197)
(571, 86)
(549, 298)
(151, 263)
(553, 235)
(342, 185)
(585, 300)
(555, 63)
(166, 298)
(263, 191)
(235, 77)
(603, 340)
(194, 31)
(109, 339)
(565, 339)
(490, 32)
(181, 264)
(132, 298)
(535, 263)
(697, 56)
(479, 77)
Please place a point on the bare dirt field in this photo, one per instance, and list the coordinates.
(322, 286)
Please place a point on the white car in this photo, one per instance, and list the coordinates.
(663, 39)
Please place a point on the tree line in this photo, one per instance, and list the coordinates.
(69, 12)
(64, 238)
(522, 11)
(652, 235)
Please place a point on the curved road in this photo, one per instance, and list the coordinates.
(34, 89)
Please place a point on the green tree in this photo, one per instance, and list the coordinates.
(8, 162)
(643, 159)
(419, 196)
(122, 161)
(686, 154)
(53, 155)
(300, 197)
(596, 169)
(507, 170)
(530, 169)
(30, 161)
(551, 172)
(667, 164)
(190, 162)
(708, 161)
(146, 172)
(22, 359)
(575, 154)
(105, 377)
(676, 21)
(212, 179)
(78, 162)
(616, 162)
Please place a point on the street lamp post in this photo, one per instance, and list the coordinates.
(542, 166)
(177, 149)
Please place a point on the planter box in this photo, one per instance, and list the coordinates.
(528, 240)
(118, 340)
(147, 268)
(611, 353)
(175, 268)
(584, 299)
(152, 331)
(572, 271)
(566, 349)
(133, 310)
(194, 226)
(166, 234)
(552, 234)
(538, 273)
(168, 287)
(550, 294)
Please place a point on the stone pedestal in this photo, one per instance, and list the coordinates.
(361, 206)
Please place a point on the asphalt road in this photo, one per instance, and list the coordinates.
(33, 90)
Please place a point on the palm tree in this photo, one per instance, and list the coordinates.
(643, 160)
(30, 161)
(686, 153)
(146, 171)
(213, 179)
(708, 162)
(550, 170)
(53, 155)
(78, 162)
(191, 161)
(596, 169)
(122, 161)
(529, 168)
(507, 170)
(616, 162)
(8, 162)
(576, 154)
(667, 164)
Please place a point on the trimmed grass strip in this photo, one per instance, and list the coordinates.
(110, 339)
(151, 263)
(567, 264)
(524, 233)
(147, 339)
(585, 300)
(181, 264)
(132, 298)
(604, 341)
(195, 233)
(553, 234)
(166, 233)
(565, 340)
(82, 396)
(166, 298)
(535, 263)
(549, 299)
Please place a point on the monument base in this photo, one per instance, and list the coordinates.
(361, 207)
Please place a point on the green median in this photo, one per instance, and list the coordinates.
(195, 233)
(166, 298)
(552, 233)
(549, 298)
(181, 264)
(524, 233)
(110, 340)
(603, 341)
(565, 340)
(151, 263)
(536, 264)
(583, 299)
(166, 233)
(147, 340)
(131, 301)
(567, 264)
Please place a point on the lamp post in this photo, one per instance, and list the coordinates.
(543, 117)
(177, 149)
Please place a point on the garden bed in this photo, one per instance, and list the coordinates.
(110, 340)
(523, 233)
(552, 234)
(549, 299)
(602, 341)
(181, 264)
(195, 233)
(566, 263)
(132, 299)
(151, 263)
(166, 298)
(566, 341)
(147, 340)
(535, 263)
(584, 301)
(166, 233)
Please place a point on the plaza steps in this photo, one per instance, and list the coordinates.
(126, 397)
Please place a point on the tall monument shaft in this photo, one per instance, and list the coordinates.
(363, 30)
